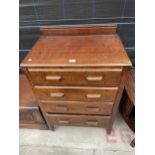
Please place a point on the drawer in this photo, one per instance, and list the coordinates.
(70, 77)
(92, 94)
(72, 107)
(78, 120)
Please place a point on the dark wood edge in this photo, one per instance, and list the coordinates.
(79, 30)
(118, 99)
(44, 115)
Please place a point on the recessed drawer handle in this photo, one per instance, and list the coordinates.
(53, 78)
(57, 95)
(97, 78)
(92, 123)
(93, 95)
(62, 108)
(90, 109)
(63, 122)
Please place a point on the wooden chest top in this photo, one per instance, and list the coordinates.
(96, 46)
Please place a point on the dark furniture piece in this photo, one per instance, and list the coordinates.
(29, 113)
(127, 105)
(78, 74)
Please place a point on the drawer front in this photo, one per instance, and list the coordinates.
(78, 120)
(78, 107)
(92, 94)
(70, 77)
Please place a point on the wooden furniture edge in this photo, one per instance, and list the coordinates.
(44, 115)
(117, 100)
(79, 29)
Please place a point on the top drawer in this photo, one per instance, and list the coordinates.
(93, 77)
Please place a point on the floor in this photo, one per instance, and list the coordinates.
(77, 141)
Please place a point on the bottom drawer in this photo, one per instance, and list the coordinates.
(78, 120)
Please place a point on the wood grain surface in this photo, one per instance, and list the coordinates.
(87, 50)
(108, 77)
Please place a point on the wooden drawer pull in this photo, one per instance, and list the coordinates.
(62, 108)
(72, 61)
(90, 109)
(57, 95)
(98, 78)
(53, 78)
(92, 123)
(63, 122)
(93, 95)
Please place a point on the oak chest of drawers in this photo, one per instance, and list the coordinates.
(78, 74)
